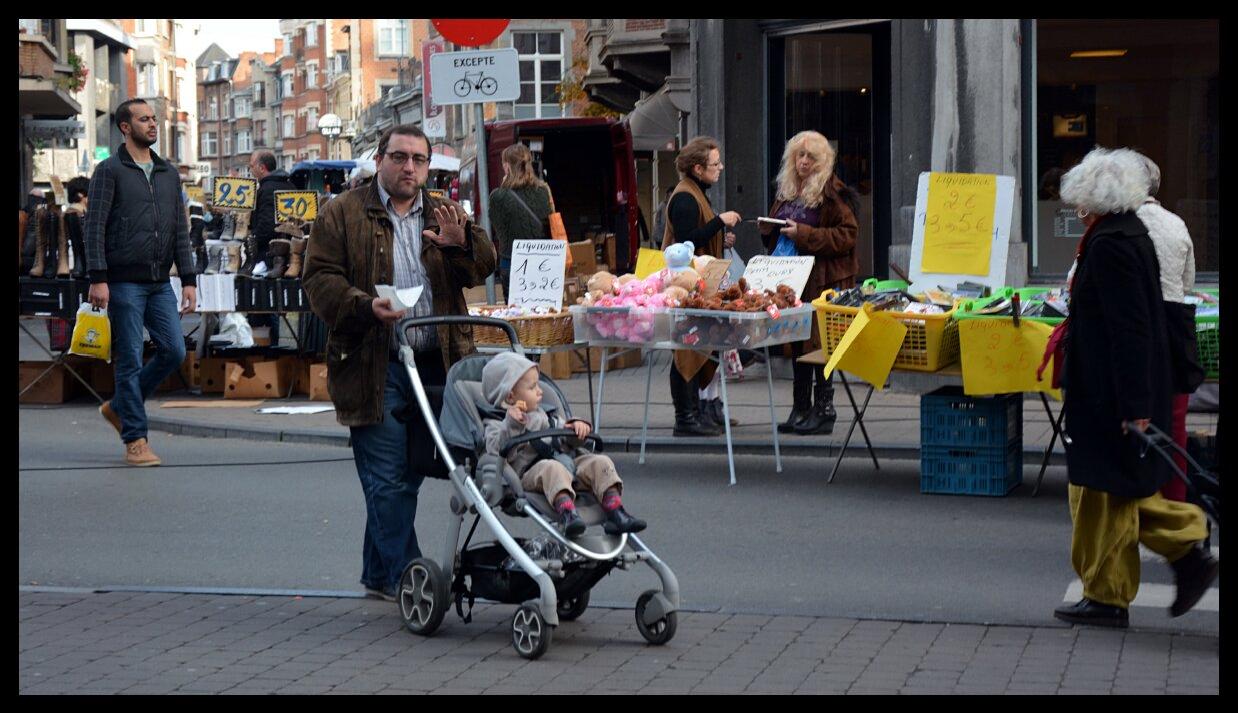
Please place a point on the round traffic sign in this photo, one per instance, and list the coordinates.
(471, 33)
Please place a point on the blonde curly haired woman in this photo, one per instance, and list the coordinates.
(820, 211)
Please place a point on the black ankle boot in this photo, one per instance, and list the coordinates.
(619, 521)
(688, 421)
(1193, 573)
(820, 420)
(573, 526)
(801, 395)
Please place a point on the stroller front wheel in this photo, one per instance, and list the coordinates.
(660, 631)
(530, 633)
(423, 597)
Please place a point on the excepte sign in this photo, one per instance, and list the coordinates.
(537, 273)
(766, 273)
(475, 77)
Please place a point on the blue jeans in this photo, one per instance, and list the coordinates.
(132, 306)
(389, 480)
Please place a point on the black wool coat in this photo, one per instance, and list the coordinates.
(1117, 364)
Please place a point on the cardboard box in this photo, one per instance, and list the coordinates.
(57, 387)
(608, 247)
(584, 257)
(211, 374)
(631, 359)
(318, 383)
(477, 295)
(256, 380)
(556, 365)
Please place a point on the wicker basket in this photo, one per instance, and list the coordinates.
(538, 330)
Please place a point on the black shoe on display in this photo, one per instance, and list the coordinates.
(1091, 613)
(1193, 574)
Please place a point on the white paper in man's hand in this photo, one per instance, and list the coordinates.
(401, 300)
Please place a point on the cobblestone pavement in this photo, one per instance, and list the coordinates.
(155, 643)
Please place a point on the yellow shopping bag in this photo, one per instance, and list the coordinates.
(92, 335)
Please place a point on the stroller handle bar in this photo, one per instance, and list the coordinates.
(547, 433)
(408, 323)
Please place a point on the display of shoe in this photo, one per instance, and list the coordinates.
(62, 247)
(138, 453)
(252, 257)
(240, 228)
(233, 260)
(1193, 574)
(229, 226)
(573, 526)
(1091, 613)
(279, 250)
(296, 260)
(214, 259)
(619, 521)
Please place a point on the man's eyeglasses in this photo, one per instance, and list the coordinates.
(399, 158)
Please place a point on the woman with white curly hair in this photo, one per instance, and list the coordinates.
(1117, 372)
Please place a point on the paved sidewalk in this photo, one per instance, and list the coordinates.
(156, 643)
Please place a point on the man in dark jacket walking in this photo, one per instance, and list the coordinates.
(135, 229)
(391, 232)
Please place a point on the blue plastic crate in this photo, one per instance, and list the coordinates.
(948, 418)
(984, 470)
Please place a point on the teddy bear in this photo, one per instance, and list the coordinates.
(675, 296)
(601, 282)
(679, 256)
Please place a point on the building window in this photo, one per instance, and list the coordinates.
(286, 83)
(289, 125)
(311, 75)
(1151, 86)
(287, 45)
(286, 162)
(260, 133)
(259, 94)
(180, 146)
(392, 37)
(212, 108)
(227, 144)
(148, 80)
(312, 155)
(143, 27)
(210, 145)
(541, 70)
(311, 34)
(241, 107)
(341, 62)
(311, 119)
(244, 144)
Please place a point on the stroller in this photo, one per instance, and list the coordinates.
(1202, 487)
(548, 576)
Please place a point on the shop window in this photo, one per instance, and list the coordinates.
(1150, 85)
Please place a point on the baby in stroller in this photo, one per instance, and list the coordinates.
(510, 383)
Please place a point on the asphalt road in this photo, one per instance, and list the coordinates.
(244, 514)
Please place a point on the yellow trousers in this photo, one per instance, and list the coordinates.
(1104, 547)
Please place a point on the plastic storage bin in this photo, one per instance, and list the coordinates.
(949, 418)
(1208, 342)
(620, 325)
(714, 329)
(932, 340)
(958, 470)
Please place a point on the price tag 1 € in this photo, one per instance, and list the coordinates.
(296, 205)
(537, 273)
(235, 193)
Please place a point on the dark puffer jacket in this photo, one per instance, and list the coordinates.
(135, 228)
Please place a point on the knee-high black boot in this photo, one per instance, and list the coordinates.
(801, 394)
(821, 418)
(687, 407)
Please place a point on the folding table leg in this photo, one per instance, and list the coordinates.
(644, 429)
(597, 410)
(773, 418)
(56, 360)
(1056, 425)
(589, 375)
(726, 416)
(863, 429)
(859, 419)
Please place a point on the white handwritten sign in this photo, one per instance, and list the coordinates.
(766, 273)
(537, 273)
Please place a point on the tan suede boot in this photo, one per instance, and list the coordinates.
(298, 255)
(234, 259)
(241, 231)
(40, 242)
(62, 248)
(138, 453)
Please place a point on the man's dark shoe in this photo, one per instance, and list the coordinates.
(1090, 613)
(573, 526)
(1193, 573)
(387, 593)
(619, 521)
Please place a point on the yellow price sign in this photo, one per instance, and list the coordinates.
(195, 193)
(999, 358)
(295, 205)
(234, 192)
(649, 261)
(958, 223)
(869, 347)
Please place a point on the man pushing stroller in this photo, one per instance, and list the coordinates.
(510, 384)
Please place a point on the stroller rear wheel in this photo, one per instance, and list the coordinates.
(423, 596)
(530, 633)
(571, 609)
(660, 631)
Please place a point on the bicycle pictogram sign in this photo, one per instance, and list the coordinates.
(475, 80)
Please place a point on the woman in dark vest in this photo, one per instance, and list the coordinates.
(691, 218)
(1117, 376)
(519, 207)
(820, 211)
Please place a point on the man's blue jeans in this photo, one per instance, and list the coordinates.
(132, 306)
(390, 482)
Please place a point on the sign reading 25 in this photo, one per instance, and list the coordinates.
(235, 192)
(296, 205)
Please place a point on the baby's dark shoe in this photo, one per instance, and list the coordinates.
(573, 526)
(619, 521)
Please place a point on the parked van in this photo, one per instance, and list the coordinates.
(588, 163)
